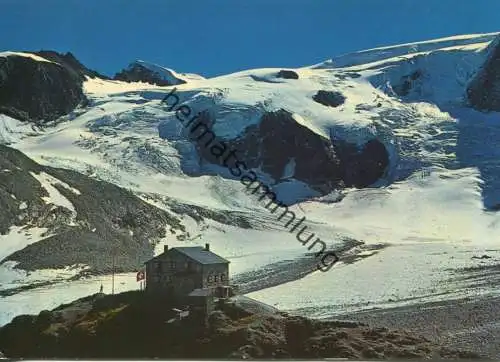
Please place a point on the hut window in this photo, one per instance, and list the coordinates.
(222, 277)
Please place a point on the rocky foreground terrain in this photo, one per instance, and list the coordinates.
(129, 325)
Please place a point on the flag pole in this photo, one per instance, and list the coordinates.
(113, 276)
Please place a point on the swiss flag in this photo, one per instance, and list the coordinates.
(140, 275)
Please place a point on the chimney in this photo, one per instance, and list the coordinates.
(207, 247)
(165, 248)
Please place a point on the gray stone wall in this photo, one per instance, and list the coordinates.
(173, 273)
(215, 275)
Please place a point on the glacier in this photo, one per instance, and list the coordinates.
(417, 226)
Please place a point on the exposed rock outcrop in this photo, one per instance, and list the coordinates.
(407, 83)
(361, 167)
(35, 90)
(483, 91)
(329, 98)
(287, 74)
(281, 147)
(277, 141)
(140, 71)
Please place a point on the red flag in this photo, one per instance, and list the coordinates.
(140, 275)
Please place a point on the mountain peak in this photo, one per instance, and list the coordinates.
(142, 71)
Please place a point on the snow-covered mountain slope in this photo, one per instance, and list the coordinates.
(413, 118)
(25, 55)
(379, 147)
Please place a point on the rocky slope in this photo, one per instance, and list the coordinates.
(129, 325)
(281, 147)
(484, 89)
(86, 220)
(41, 86)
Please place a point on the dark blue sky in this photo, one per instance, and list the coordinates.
(222, 36)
